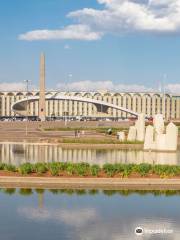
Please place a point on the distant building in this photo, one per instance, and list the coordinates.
(45, 104)
(96, 104)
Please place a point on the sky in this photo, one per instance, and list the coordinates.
(116, 45)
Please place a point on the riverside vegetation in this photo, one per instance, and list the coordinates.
(87, 170)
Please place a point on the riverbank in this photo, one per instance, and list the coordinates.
(83, 175)
(89, 183)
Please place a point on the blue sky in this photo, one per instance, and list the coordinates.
(103, 43)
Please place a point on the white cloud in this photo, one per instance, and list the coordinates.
(78, 218)
(92, 224)
(100, 85)
(129, 15)
(14, 86)
(76, 32)
(110, 86)
(93, 86)
(117, 17)
(174, 88)
(73, 217)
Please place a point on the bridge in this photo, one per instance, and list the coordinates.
(102, 106)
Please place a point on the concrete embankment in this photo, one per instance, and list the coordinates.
(89, 183)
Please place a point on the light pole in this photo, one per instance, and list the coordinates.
(69, 80)
(27, 107)
(68, 103)
(164, 94)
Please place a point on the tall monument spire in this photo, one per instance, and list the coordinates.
(42, 101)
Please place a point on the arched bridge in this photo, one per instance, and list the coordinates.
(102, 106)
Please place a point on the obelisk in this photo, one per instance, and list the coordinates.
(42, 101)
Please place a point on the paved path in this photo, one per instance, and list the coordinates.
(90, 183)
(16, 132)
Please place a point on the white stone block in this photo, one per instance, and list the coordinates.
(121, 136)
(140, 126)
(158, 123)
(160, 142)
(171, 137)
(149, 138)
(132, 133)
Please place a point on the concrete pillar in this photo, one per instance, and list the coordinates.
(171, 137)
(132, 133)
(149, 138)
(140, 126)
(42, 106)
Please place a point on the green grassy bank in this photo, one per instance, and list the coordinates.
(99, 129)
(82, 140)
(86, 170)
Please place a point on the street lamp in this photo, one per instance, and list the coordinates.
(164, 94)
(67, 103)
(27, 107)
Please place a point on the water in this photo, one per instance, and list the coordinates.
(87, 215)
(20, 153)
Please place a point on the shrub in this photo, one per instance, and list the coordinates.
(119, 168)
(143, 169)
(62, 166)
(81, 169)
(160, 170)
(109, 169)
(10, 168)
(166, 170)
(94, 170)
(40, 168)
(172, 170)
(70, 168)
(54, 168)
(26, 168)
(127, 169)
(2, 166)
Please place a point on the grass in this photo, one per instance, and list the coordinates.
(98, 129)
(85, 169)
(96, 141)
(103, 130)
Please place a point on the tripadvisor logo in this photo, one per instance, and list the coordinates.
(139, 231)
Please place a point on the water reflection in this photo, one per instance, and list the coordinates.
(94, 215)
(17, 154)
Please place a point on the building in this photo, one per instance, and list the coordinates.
(61, 104)
(45, 104)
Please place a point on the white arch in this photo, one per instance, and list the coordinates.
(98, 103)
